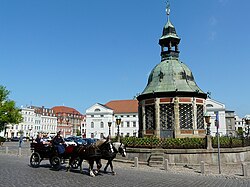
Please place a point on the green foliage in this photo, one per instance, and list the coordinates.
(9, 113)
(229, 142)
(184, 143)
(78, 132)
(167, 143)
(240, 132)
(2, 139)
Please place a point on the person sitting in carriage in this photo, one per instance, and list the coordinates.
(58, 143)
(39, 138)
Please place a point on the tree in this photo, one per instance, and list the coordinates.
(78, 132)
(9, 113)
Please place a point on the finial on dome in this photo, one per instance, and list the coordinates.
(168, 8)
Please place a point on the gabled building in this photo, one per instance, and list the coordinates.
(99, 116)
(213, 107)
(69, 120)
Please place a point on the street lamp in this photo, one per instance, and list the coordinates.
(207, 120)
(109, 124)
(118, 122)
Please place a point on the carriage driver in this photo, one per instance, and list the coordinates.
(58, 142)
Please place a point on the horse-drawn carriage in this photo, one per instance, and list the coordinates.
(102, 149)
(49, 152)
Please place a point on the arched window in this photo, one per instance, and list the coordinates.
(209, 105)
(97, 110)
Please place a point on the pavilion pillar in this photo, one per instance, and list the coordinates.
(176, 118)
(157, 118)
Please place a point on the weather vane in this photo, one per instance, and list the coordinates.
(168, 8)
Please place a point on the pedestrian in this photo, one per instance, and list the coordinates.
(20, 140)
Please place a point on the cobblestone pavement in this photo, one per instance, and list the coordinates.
(15, 171)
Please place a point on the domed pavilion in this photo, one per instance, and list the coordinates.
(171, 105)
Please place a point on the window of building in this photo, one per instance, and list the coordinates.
(101, 136)
(122, 134)
(92, 125)
(127, 123)
(92, 135)
(128, 116)
(122, 125)
(102, 125)
(128, 134)
(134, 134)
(134, 124)
(92, 116)
(97, 110)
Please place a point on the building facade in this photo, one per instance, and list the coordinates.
(45, 120)
(99, 117)
(69, 120)
(212, 108)
(230, 123)
(35, 120)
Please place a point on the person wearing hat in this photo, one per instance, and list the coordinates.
(58, 142)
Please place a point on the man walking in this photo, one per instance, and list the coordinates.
(20, 140)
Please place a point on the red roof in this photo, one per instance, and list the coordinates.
(64, 109)
(123, 106)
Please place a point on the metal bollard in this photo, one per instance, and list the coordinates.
(19, 151)
(244, 169)
(6, 150)
(202, 167)
(136, 162)
(166, 165)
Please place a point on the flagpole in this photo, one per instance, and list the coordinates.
(218, 139)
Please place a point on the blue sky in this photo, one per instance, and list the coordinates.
(77, 53)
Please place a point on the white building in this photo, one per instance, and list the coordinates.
(99, 116)
(213, 107)
(33, 123)
(239, 123)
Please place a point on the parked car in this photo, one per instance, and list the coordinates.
(75, 139)
(14, 139)
(90, 141)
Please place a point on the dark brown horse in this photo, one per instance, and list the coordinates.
(117, 148)
(92, 153)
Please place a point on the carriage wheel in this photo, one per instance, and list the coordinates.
(75, 163)
(55, 162)
(35, 160)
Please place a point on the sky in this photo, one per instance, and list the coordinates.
(76, 53)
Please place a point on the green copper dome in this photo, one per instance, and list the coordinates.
(171, 76)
